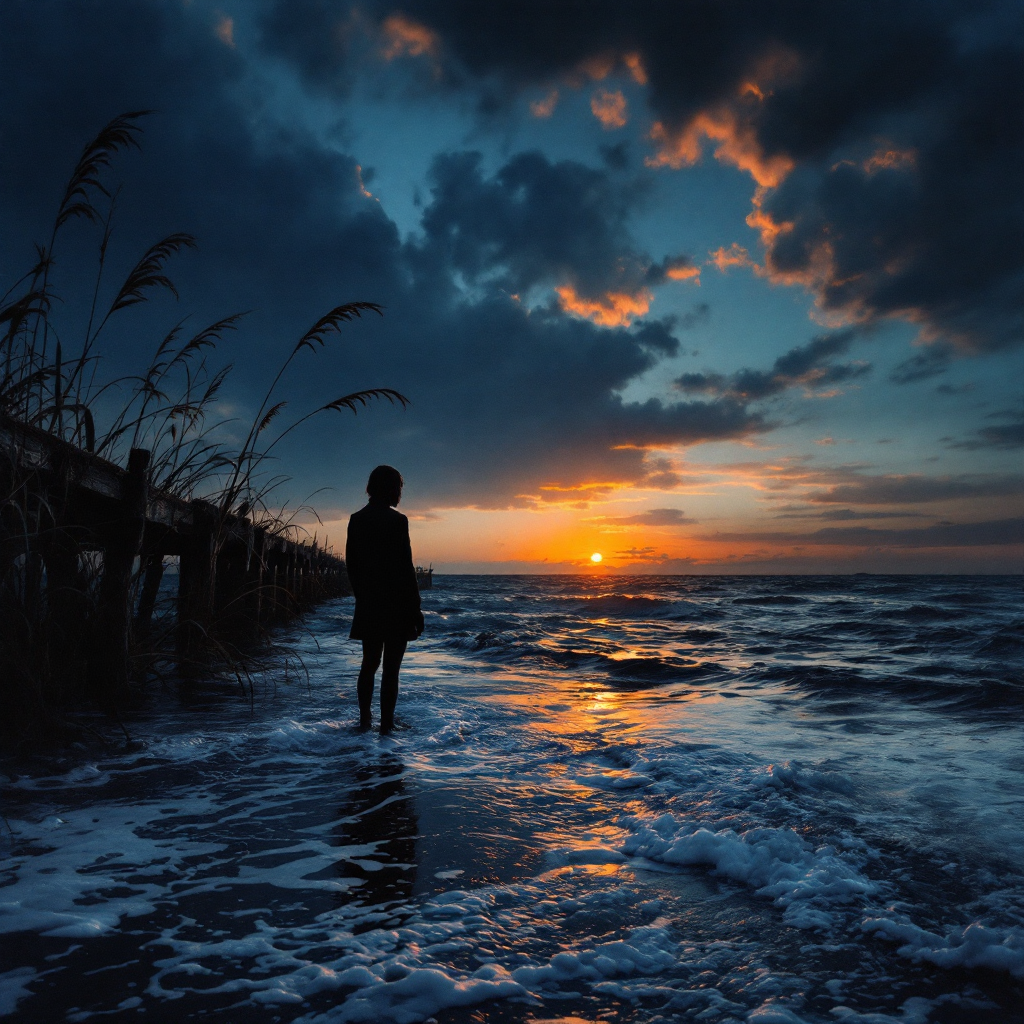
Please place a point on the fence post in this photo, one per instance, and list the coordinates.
(196, 580)
(154, 571)
(108, 667)
(253, 597)
(66, 585)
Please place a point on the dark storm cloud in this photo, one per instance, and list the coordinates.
(853, 485)
(532, 390)
(507, 399)
(806, 365)
(1009, 435)
(700, 314)
(537, 223)
(933, 361)
(617, 156)
(316, 38)
(281, 223)
(647, 554)
(912, 490)
(534, 222)
(845, 515)
(941, 535)
(891, 129)
(671, 268)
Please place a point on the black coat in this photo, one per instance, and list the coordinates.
(383, 578)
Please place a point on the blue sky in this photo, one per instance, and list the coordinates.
(846, 395)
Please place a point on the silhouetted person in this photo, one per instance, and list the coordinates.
(383, 578)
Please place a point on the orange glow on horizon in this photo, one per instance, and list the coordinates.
(614, 309)
(734, 507)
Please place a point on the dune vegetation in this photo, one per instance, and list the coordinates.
(56, 400)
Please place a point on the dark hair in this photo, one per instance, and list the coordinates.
(385, 482)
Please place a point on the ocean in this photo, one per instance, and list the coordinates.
(610, 798)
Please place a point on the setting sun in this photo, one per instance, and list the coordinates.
(596, 557)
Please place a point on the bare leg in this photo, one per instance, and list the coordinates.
(372, 650)
(394, 651)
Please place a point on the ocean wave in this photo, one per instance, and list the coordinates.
(646, 672)
(618, 850)
(1005, 642)
(703, 635)
(807, 882)
(924, 612)
(974, 945)
(621, 606)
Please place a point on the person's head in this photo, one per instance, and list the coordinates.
(385, 484)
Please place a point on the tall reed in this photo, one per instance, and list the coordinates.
(52, 384)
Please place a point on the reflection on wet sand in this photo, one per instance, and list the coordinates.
(586, 845)
(379, 812)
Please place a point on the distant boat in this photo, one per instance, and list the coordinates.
(424, 577)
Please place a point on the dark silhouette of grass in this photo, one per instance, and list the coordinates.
(49, 569)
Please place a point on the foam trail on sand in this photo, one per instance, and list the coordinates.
(783, 801)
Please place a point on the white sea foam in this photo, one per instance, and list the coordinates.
(14, 987)
(405, 974)
(321, 737)
(807, 881)
(915, 1010)
(66, 868)
(976, 945)
(309, 856)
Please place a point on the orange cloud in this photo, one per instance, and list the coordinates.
(609, 108)
(890, 159)
(776, 67)
(359, 181)
(737, 145)
(728, 125)
(818, 273)
(734, 256)
(546, 106)
(683, 272)
(614, 309)
(588, 487)
(762, 222)
(407, 38)
(224, 30)
(635, 63)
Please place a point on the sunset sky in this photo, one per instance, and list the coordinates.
(703, 287)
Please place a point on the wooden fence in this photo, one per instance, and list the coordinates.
(233, 576)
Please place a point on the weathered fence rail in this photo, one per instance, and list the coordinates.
(232, 574)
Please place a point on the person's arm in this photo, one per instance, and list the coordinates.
(409, 577)
(354, 559)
